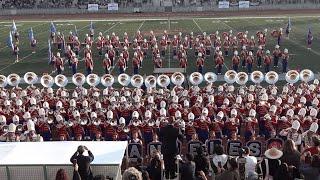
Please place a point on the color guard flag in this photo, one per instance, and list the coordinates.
(49, 52)
(9, 41)
(52, 28)
(91, 26)
(75, 33)
(309, 38)
(288, 29)
(13, 27)
(31, 36)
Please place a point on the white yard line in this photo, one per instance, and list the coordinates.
(195, 22)
(141, 25)
(111, 27)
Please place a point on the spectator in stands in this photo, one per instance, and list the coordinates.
(219, 160)
(271, 163)
(202, 162)
(311, 171)
(62, 175)
(315, 149)
(168, 136)
(132, 173)
(187, 168)
(232, 172)
(290, 154)
(83, 162)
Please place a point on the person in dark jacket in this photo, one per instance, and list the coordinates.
(202, 161)
(311, 171)
(187, 168)
(270, 164)
(83, 162)
(168, 136)
(290, 154)
(231, 173)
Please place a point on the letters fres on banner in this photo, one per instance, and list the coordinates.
(93, 7)
(244, 4)
(113, 7)
(224, 4)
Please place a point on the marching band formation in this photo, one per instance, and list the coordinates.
(245, 112)
(247, 52)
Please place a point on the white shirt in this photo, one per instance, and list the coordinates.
(220, 158)
(251, 163)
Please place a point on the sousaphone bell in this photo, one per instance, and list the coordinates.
(124, 79)
(177, 78)
(30, 78)
(150, 81)
(78, 79)
(256, 77)
(107, 80)
(93, 80)
(13, 80)
(47, 81)
(292, 76)
(195, 78)
(163, 81)
(136, 81)
(61, 80)
(306, 75)
(210, 77)
(272, 77)
(242, 78)
(230, 76)
(3, 81)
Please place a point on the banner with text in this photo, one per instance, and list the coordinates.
(224, 4)
(93, 7)
(113, 7)
(244, 4)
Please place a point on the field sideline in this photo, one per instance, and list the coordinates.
(300, 57)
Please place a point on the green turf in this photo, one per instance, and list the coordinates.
(300, 57)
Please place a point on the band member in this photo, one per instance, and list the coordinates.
(158, 62)
(16, 51)
(71, 40)
(33, 44)
(219, 61)
(10, 136)
(16, 36)
(136, 63)
(100, 45)
(276, 55)
(89, 63)
(77, 45)
(259, 55)
(234, 43)
(74, 63)
(125, 53)
(145, 47)
(163, 44)
(106, 64)
(68, 54)
(30, 135)
(226, 45)
(235, 61)
(262, 41)
(267, 61)
(309, 39)
(58, 63)
(249, 62)
(251, 44)
(183, 62)
(59, 41)
(121, 64)
(88, 40)
(111, 54)
(279, 37)
(86, 51)
(200, 63)
(285, 58)
(243, 56)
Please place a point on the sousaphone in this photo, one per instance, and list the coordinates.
(163, 81)
(150, 81)
(272, 77)
(177, 78)
(13, 80)
(210, 77)
(195, 78)
(136, 80)
(47, 81)
(3, 81)
(292, 76)
(30, 78)
(78, 79)
(306, 75)
(124, 79)
(93, 80)
(256, 77)
(230, 76)
(61, 80)
(107, 80)
(242, 78)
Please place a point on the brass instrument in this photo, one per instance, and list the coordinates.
(163, 81)
(256, 77)
(78, 79)
(61, 80)
(210, 77)
(13, 80)
(47, 81)
(241, 78)
(30, 78)
(306, 75)
(151, 81)
(292, 76)
(272, 77)
(177, 78)
(107, 80)
(136, 80)
(230, 76)
(124, 79)
(195, 78)
(3, 81)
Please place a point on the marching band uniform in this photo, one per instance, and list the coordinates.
(58, 63)
(74, 63)
(33, 45)
(59, 41)
(259, 55)
(200, 63)
(285, 58)
(243, 55)
(219, 62)
(77, 45)
(249, 62)
(100, 45)
(235, 61)
(16, 51)
(267, 61)
(106, 64)
(89, 64)
(158, 62)
(183, 62)
(226, 45)
(121, 64)
(276, 56)
(136, 64)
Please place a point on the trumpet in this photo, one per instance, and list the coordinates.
(69, 123)
(96, 122)
(5, 128)
(113, 122)
(126, 129)
(19, 128)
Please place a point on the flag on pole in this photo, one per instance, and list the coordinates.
(9, 41)
(13, 27)
(91, 26)
(63, 44)
(289, 25)
(31, 35)
(53, 28)
(49, 52)
(309, 38)
(75, 33)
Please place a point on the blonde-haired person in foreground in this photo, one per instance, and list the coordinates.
(132, 174)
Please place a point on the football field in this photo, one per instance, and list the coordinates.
(300, 58)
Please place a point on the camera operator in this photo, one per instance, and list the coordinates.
(83, 162)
